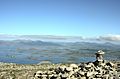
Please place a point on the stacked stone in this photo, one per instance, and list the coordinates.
(83, 71)
(91, 70)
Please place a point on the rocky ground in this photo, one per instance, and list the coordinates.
(90, 70)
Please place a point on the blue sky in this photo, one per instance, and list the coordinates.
(86, 18)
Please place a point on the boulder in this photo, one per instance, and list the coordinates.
(74, 66)
(89, 74)
(68, 69)
(64, 76)
(106, 76)
(62, 68)
(82, 73)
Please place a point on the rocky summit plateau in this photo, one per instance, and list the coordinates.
(99, 69)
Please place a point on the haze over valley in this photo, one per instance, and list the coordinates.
(32, 49)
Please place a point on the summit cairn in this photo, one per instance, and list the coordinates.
(99, 55)
(100, 69)
(99, 58)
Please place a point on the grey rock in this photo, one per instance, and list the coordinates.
(89, 74)
(64, 76)
(68, 69)
(74, 66)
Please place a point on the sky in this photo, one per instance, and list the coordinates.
(87, 18)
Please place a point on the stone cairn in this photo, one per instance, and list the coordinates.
(100, 69)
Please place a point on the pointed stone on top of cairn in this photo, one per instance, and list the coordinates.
(99, 55)
(100, 52)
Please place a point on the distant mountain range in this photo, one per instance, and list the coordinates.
(40, 37)
(25, 43)
(52, 38)
(34, 51)
(32, 43)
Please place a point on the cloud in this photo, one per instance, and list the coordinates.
(102, 38)
(40, 37)
(109, 38)
(49, 37)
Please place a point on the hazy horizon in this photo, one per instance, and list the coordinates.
(115, 39)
